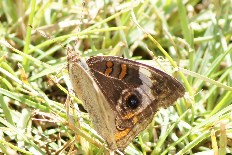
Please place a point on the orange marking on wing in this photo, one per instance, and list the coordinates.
(121, 134)
(108, 71)
(135, 120)
(109, 65)
(123, 72)
(128, 116)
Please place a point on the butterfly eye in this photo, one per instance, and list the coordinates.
(133, 101)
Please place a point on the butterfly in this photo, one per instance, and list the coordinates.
(121, 95)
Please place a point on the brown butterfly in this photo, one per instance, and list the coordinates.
(121, 95)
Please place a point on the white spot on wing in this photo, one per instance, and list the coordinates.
(144, 71)
(145, 89)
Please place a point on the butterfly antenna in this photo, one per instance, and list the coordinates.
(69, 49)
(81, 21)
(47, 36)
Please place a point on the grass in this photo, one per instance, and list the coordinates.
(194, 36)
